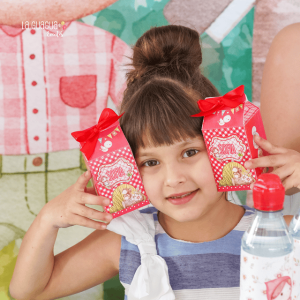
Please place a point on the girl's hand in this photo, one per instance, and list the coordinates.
(69, 208)
(286, 163)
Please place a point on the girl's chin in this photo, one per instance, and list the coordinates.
(190, 214)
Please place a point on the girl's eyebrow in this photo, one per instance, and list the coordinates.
(181, 145)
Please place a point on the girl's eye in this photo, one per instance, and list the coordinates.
(151, 163)
(190, 153)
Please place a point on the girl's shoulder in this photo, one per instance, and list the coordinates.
(249, 211)
(246, 219)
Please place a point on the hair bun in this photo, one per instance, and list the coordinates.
(167, 50)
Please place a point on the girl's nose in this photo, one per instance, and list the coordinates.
(174, 176)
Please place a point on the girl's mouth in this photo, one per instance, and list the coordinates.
(182, 199)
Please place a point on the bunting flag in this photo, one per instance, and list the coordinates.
(223, 111)
(113, 133)
(232, 110)
(241, 106)
(100, 140)
(214, 113)
(237, 109)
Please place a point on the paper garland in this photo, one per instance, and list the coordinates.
(114, 133)
(232, 110)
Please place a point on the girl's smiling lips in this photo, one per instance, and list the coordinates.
(181, 200)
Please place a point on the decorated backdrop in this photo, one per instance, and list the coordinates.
(54, 83)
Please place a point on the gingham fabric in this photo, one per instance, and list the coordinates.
(240, 133)
(135, 181)
(51, 86)
(249, 111)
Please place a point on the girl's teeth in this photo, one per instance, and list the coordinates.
(181, 196)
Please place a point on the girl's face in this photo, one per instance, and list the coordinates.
(179, 170)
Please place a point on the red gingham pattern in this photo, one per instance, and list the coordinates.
(219, 165)
(249, 111)
(135, 181)
(83, 50)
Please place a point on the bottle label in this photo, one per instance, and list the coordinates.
(265, 278)
(296, 270)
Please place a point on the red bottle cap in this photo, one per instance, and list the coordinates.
(268, 193)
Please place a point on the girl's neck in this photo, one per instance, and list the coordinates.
(215, 224)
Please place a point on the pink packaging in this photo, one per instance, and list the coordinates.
(114, 171)
(229, 125)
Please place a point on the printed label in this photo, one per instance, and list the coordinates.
(118, 172)
(125, 196)
(230, 148)
(234, 174)
(264, 278)
(296, 271)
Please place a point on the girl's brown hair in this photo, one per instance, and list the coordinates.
(163, 88)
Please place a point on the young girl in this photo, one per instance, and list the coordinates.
(198, 232)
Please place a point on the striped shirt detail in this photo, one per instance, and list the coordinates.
(209, 270)
(204, 294)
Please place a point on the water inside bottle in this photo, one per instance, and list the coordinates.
(268, 236)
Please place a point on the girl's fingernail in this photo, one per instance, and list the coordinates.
(247, 164)
(106, 202)
(103, 226)
(108, 218)
(86, 173)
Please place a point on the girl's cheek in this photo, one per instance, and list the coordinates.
(204, 171)
(149, 184)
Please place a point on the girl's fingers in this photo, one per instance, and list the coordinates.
(267, 146)
(91, 213)
(276, 160)
(93, 200)
(82, 221)
(83, 180)
(285, 171)
(90, 190)
(291, 181)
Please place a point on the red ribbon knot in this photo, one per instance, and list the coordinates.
(232, 99)
(88, 137)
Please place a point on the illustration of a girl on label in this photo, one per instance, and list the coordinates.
(131, 199)
(125, 196)
(234, 174)
(279, 288)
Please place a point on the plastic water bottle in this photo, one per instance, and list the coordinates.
(295, 232)
(267, 246)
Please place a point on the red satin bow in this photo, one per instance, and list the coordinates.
(231, 99)
(88, 137)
